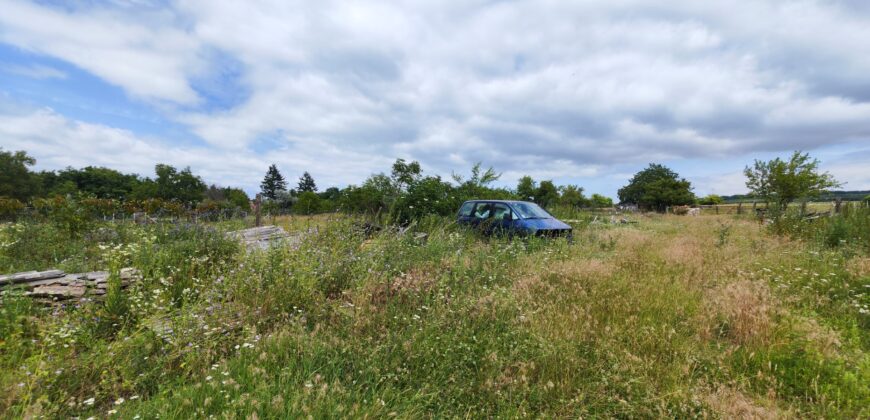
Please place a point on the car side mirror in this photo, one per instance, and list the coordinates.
(508, 216)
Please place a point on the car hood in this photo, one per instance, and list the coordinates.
(544, 224)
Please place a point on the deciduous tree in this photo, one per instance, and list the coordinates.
(782, 181)
(657, 187)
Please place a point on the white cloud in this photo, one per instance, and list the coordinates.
(141, 52)
(568, 90)
(34, 71)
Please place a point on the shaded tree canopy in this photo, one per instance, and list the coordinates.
(546, 194)
(16, 180)
(306, 184)
(272, 183)
(182, 186)
(657, 187)
(782, 181)
(404, 174)
(572, 196)
(91, 180)
(526, 188)
(599, 201)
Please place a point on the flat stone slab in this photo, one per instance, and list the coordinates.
(263, 237)
(56, 284)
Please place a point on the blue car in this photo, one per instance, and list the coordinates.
(520, 218)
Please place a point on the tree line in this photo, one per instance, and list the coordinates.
(404, 194)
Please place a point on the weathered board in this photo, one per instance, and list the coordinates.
(262, 237)
(56, 284)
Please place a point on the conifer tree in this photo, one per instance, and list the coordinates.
(306, 184)
(273, 183)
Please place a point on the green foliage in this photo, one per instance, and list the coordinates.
(782, 181)
(600, 201)
(848, 229)
(16, 180)
(273, 183)
(376, 196)
(711, 199)
(526, 188)
(427, 196)
(405, 174)
(546, 194)
(477, 185)
(92, 181)
(9, 208)
(657, 187)
(307, 203)
(572, 196)
(306, 183)
(393, 326)
(182, 186)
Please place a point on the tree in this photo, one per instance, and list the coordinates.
(547, 194)
(405, 174)
(427, 196)
(16, 180)
(307, 203)
(599, 201)
(526, 188)
(183, 186)
(710, 200)
(272, 183)
(782, 181)
(572, 196)
(306, 183)
(657, 187)
(478, 184)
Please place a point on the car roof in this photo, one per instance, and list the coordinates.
(497, 201)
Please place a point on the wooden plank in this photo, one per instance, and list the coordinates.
(28, 276)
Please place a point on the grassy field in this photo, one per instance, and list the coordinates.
(673, 316)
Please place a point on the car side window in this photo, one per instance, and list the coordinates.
(500, 211)
(483, 211)
(466, 209)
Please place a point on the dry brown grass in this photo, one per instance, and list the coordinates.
(731, 403)
(404, 287)
(742, 310)
(684, 250)
(825, 340)
(859, 266)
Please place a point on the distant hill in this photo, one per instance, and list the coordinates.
(830, 196)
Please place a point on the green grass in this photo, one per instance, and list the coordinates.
(666, 317)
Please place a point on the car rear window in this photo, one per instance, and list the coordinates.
(466, 208)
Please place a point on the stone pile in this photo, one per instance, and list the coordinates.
(58, 285)
(262, 237)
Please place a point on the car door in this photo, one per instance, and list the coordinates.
(481, 216)
(503, 218)
(465, 216)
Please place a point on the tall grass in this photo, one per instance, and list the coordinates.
(668, 317)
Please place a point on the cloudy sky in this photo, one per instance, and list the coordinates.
(584, 92)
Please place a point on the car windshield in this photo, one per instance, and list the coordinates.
(531, 211)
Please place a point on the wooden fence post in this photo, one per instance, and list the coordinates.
(257, 202)
(717, 208)
(740, 208)
(837, 204)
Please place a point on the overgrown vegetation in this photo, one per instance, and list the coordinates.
(669, 317)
